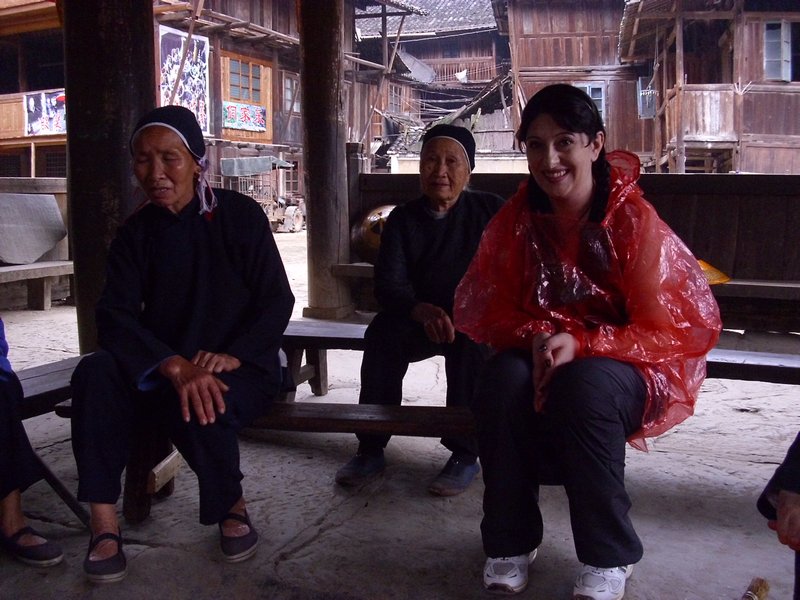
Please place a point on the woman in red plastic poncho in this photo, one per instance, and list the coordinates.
(601, 319)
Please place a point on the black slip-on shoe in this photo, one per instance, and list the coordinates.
(108, 570)
(47, 554)
(238, 549)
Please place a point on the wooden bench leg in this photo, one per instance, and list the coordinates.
(40, 293)
(319, 381)
(294, 361)
(150, 447)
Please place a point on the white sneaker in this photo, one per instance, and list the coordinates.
(507, 574)
(594, 583)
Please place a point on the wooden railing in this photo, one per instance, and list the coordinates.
(478, 68)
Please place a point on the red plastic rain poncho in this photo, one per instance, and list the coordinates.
(627, 288)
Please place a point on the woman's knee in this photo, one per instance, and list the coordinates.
(592, 387)
(97, 364)
(97, 378)
(505, 378)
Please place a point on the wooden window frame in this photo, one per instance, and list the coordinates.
(590, 88)
(254, 78)
(296, 103)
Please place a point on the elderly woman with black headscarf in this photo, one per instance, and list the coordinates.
(189, 324)
(425, 248)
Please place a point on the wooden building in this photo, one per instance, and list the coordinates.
(32, 126)
(445, 62)
(576, 42)
(723, 77)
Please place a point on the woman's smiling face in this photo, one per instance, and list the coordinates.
(560, 161)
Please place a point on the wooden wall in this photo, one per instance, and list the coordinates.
(565, 32)
(745, 225)
(576, 41)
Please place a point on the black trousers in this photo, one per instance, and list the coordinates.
(19, 468)
(392, 343)
(593, 405)
(106, 410)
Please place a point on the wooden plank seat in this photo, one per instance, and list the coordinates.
(754, 366)
(47, 388)
(332, 417)
(39, 278)
(43, 388)
(152, 468)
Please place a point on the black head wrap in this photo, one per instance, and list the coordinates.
(180, 120)
(460, 135)
(183, 122)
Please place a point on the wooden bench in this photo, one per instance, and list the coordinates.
(312, 339)
(153, 464)
(43, 388)
(745, 225)
(39, 277)
(46, 388)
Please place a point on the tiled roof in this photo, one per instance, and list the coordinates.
(401, 4)
(443, 16)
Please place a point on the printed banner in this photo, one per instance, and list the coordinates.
(249, 117)
(191, 89)
(45, 113)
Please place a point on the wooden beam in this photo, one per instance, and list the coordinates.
(321, 76)
(100, 192)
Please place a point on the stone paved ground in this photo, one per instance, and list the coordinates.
(693, 503)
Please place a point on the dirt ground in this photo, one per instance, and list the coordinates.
(693, 496)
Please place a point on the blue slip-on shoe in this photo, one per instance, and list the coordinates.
(361, 469)
(46, 554)
(454, 478)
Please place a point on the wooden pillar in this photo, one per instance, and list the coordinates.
(322, 78)
(680, 144)
(110, 83)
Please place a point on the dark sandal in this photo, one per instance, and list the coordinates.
(42, 555)
(238, 549)
(107, 570)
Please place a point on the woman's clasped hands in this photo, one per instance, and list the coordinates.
(199, 390)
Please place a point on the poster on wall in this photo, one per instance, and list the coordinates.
(247, 117)
(187, 86)
(45, 112)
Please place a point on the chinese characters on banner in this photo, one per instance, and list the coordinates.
(191, 89)
(45, 112)
(249, 117)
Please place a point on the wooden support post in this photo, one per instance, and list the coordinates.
(680, 74)
(322, 78)
(107, 95)
(40, 293)
(319, 360)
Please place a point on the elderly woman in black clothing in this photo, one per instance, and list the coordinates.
(19, 469)
(425, 248)
(190, 323)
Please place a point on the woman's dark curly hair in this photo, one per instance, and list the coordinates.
(575, 111)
